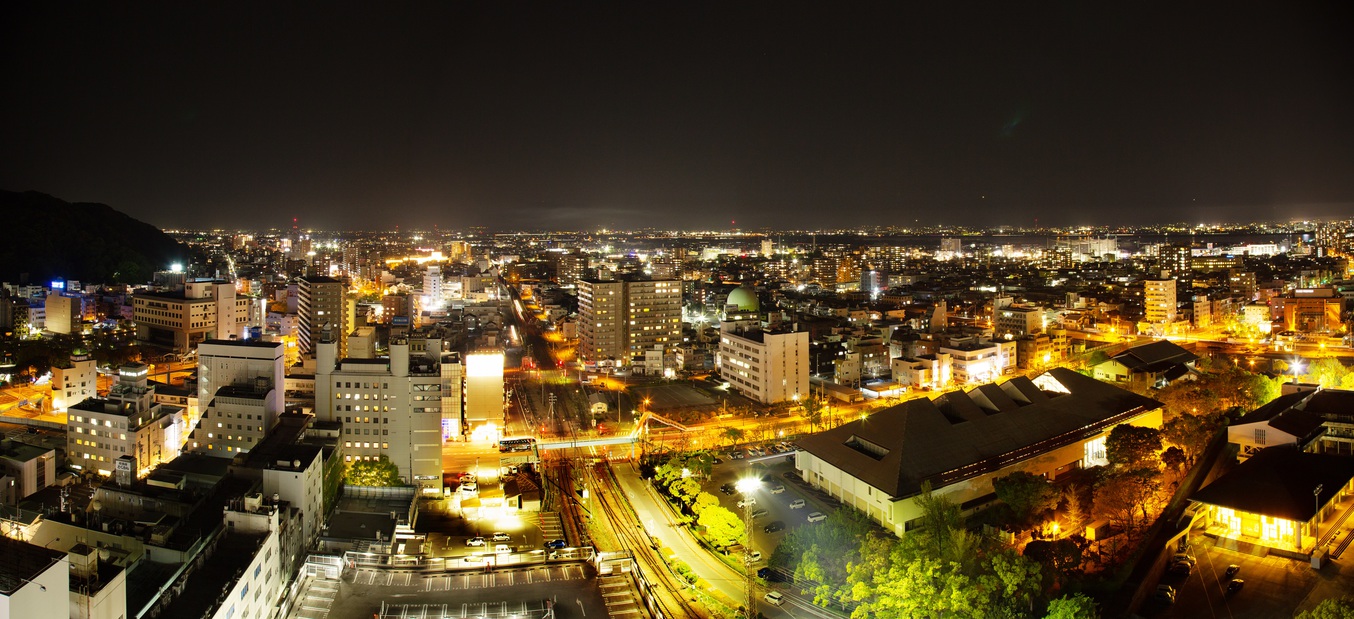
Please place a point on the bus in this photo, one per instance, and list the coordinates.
(516, 444)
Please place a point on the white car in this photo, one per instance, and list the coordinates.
(500, 536)
(469, 487)
(752, 500)
(475, 541)
(502, 549)
(778, 489)
(774, 598)
(817, 517)
(754, 556)
(797, 504)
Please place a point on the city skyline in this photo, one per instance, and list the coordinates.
(705, 118)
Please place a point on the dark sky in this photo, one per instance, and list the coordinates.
(568, 115)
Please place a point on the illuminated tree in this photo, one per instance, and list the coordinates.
(722, 527)
(1129, 447)
(1072, 607)
(1027, 494)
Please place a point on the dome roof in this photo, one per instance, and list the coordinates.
(744, 299)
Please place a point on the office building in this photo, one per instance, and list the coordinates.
(1307, 310)
(74, 380)
(201, 311)
(64, 313)
(1159, 301)
(484, 395)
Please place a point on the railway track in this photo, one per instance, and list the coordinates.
(631, 537)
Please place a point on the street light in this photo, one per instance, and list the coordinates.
(746, 487)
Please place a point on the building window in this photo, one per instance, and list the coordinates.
(1259, 436)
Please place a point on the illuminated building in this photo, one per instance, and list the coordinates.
(240, 393)
(391, 406)
(768, 366)
(64, 313)
(1279, 499)
(621, 320)
(1052, 424)
(1159, 301)
(127, 423)
(1152, 365)
(321, 302)
(1306, 310)
(201, 311)
(74, 381)
(484, 394)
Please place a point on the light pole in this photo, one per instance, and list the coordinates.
(746, 487)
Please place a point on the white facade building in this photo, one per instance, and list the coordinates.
(127, 423)
(240, 393)
(766, 366)
(74, 382)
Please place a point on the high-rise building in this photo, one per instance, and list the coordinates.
(240, 392)
(128, 423)
(619, 321)
(391, 406)
(1159, 301)
(64, 313)
(321, 303)
(767, 366)
(484, 394)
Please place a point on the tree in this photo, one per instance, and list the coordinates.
(1326, 371)
(1121, 496)
(1073, 513)
(813, 411)
(1027, 494)
(380, 473)
(1072, 607)
(1133, 447)
(1330, 608)
(1189, 432)
(722, 527)
(1061, 558)
(685, 490)
(703, 501)
(1173, 458)
(734, 435)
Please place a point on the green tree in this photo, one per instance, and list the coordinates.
(722, 527)
(733, 435)
(703, 501)
(378, 473)
(685, 490)
(1027, 494)
(1326, 371)
(813, 411)
(1076, 606)
(1120, 497)
(1131, 447)
(1330, 608)
(1061, 558)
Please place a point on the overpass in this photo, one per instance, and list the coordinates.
(628, 439)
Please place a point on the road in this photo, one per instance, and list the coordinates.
(659, 522)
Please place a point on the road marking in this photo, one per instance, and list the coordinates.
(579, 601)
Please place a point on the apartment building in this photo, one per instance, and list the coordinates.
(321, 302)
(619, 321)
(767, 366)
(240, 394)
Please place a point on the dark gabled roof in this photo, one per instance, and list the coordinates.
(1332, 403)
(1296, 422)
(1279, 482)
(1155, 357)
(961, 435)
(1274, 407)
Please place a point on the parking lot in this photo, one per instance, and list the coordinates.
(777, 505)
(1275, 586)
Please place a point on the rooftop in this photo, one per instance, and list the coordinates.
(963, 434)
(1157, 356)
(217, 575)
(1280, 482)
(22, 562)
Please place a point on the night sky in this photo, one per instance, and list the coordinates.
(565, 115)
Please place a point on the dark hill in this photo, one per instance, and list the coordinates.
(50, 238)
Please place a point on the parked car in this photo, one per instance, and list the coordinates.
(797, 504)
(473, 559)
(754, 556)
(502, 549)
(727, 489)
(1165, 593)
(500, 536)
(475, 541)
(556, 544)
(774, 598)
(1184, 558)
(817, 517)
(774, 527)
(1235, 585)
(778, 488)
(1182, 568)
(469, 487)
(759, 513)
(1231, 570)
(752, 500)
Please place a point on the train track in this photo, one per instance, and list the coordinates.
(632, 537)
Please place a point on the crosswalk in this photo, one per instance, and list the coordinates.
(504, 578)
